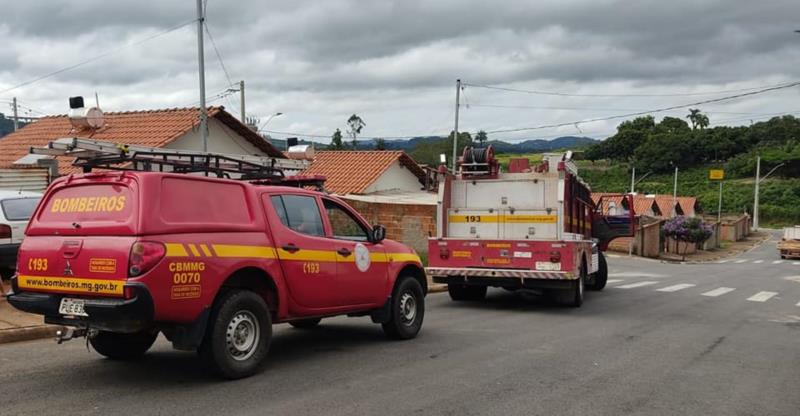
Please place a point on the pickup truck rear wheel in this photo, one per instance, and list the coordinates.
(305, 323)
(408, 310)
(601, 276)
(117, 346)
(466, 292)
(238, 335)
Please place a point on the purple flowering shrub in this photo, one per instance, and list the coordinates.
(692, 230)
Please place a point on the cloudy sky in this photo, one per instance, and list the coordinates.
(395, 63)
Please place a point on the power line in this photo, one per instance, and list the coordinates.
(563, 94)
(97, 57)
(219, 57)
(657, 110)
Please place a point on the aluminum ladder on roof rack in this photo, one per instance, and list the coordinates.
(91, 154)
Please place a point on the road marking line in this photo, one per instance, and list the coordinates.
(797, 263)
(777, 262)
(614, 280)
(675, 288)
(722, 261)
(740, 261)
(637, 274)
(762, 296)
(637, 284)
(798, 304)
(719, 291)
(758, 261)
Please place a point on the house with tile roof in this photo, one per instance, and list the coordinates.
(364, 172)
(175, 128)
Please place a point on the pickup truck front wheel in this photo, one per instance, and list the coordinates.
(118, 346)
(408, 310)
(238, 335)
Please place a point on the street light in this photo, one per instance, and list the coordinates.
(264, 124)
(758, 181)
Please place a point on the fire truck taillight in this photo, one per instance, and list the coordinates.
(555, 257)
(144, 256)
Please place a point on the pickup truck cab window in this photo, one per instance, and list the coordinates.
(299, 213)
(343, 225)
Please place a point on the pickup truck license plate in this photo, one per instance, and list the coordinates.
(548, 266)
(70, 306)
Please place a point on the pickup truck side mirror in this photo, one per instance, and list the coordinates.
(378, 233)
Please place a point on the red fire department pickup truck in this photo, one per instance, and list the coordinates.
(211, 263)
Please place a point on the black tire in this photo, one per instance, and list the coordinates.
(600, 277)
(783, 257)
(238, 335)
(305, 323)
(117, 346)
(466, 292)
(408, 310)
(574, 295)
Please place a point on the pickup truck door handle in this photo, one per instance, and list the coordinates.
(343, 252)
(291, 248)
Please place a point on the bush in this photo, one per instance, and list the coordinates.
(692, 230)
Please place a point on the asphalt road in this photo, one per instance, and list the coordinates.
(669, 347)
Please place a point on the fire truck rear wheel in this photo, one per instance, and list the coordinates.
(305, 323)
(408, 310)
(466, 292)
(574, 295)
(118, 346)
(601, 276)
(238, 335)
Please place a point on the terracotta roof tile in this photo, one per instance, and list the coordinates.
(352, 172)
(154, 128)
(688, 204)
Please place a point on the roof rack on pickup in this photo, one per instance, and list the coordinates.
(96, 154)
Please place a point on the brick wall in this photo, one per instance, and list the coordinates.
(408, 224)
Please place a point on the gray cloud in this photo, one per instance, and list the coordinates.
(395, 62)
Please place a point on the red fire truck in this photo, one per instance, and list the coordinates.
(533, 227)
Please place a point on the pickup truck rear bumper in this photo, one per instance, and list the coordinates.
(108, 314)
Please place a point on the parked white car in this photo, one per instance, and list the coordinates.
(16, 208)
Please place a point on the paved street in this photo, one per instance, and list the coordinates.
(662, 339)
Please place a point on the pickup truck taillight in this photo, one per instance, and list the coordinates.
(5, 231)
(144, 256)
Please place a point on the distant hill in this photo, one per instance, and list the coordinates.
(7, 125)
(527, 146)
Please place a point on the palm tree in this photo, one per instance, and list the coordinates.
(697, 119)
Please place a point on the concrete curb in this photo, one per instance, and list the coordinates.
(28, 333)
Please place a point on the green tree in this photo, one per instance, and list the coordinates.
(336, 141)
(698, 119)
(428, 153)
(354, 126)
(481, 138)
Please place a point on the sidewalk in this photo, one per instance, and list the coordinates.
(20, 326)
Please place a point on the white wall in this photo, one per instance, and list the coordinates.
(396, 177)
(221, 139)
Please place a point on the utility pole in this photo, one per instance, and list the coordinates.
(675, 194)
(16, 116)
(455, 129)
(241, 98)
(719, 204)
(201, 67)
(758, 181)
(755, 200)
(633, 178)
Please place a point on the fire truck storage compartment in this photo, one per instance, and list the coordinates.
(520, 206)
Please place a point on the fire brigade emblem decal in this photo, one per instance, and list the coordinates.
(362, 257)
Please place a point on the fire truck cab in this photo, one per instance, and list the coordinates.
(533, 227)
(211, 263)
